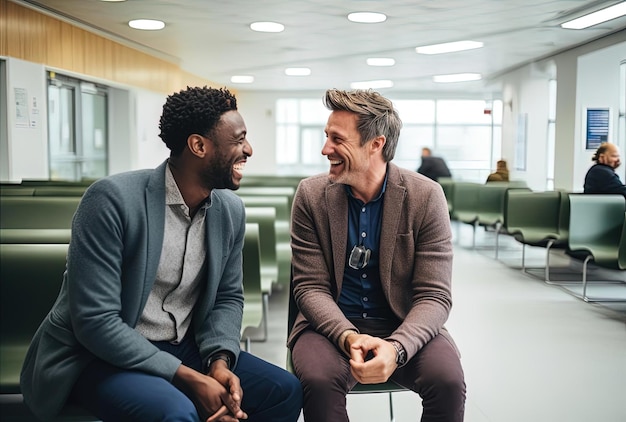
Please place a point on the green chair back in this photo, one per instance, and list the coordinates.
(465, 203)
(447, 184)
(252, 290)
(32, 212)
(596, 226)
(532, 217)
(31, 276)
(265, 217)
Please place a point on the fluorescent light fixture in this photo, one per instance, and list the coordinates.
(380, 61)
(383, 83)
(297, 71)
(599, 16)
(267, 26)
(146, 24)
(367, 17)
(242, 79)
(113, 1)
(448, 47)
(457, 77)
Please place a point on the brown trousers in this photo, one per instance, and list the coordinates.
(435, 373)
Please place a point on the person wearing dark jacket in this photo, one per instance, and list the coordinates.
(601, 177)
(433, 167)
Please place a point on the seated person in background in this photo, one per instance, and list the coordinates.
(601, 177)
(433, 167)
(372, 269)
(147, 323)
(501, 174)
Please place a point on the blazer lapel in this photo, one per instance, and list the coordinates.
(337, 205)
(155, 216)
(214, 236)
(392, 211)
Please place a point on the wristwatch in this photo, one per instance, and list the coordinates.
(400, 353)
(219, 356)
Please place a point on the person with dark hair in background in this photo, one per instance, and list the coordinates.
(372, 269)
(433, 167)
(501, 174)
(601, 177)
(147, 323)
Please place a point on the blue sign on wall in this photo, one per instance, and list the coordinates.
(597, 127)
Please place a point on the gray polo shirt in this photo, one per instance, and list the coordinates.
(168, 311)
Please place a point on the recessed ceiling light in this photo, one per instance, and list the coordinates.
(113, 1)
(380, 61)
(242, 79)
(597, 17)
(267, 27)
(448, 47)
(147, 24)
(297, 71)
(457, 77)
(367, 17)
(383, 83)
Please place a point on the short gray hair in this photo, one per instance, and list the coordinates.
(376, 115)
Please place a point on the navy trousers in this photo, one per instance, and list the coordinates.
(271, 394)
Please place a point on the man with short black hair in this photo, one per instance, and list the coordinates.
(147, 323)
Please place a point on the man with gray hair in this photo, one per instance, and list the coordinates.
(372, 268)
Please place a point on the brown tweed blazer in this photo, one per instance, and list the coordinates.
(415, 256)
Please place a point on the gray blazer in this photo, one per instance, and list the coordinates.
(415, 256)
(117, 235)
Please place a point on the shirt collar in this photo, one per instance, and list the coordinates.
(172, 193)
(380, 194)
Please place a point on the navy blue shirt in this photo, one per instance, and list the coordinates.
(361, 292)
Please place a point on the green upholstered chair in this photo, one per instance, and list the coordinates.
(286, 191)
(447, 184)
(465, 205)
(31, 275)
(253, 308)
(388, 387)
(532, 218)
(596, 230)
(265, 217)
(283, 235)
(492, 206)
(33, 212)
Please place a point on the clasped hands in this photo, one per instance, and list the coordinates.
(372, 370)
(217, 395)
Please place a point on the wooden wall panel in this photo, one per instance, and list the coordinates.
(32, 36)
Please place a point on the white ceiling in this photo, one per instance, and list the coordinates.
(212, 39)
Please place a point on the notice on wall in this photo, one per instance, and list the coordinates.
(22, 118)
(520, 142)
(597, 130)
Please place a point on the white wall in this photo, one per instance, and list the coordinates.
(146, 112)
(597, 86)
(27, 121)
(586, 76)
(526, 96)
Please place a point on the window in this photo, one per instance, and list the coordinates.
(77, 127)
(551, 145)
(621, 119)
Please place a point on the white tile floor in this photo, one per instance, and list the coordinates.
(531, 352)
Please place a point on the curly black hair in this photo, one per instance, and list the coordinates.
(194, 110)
